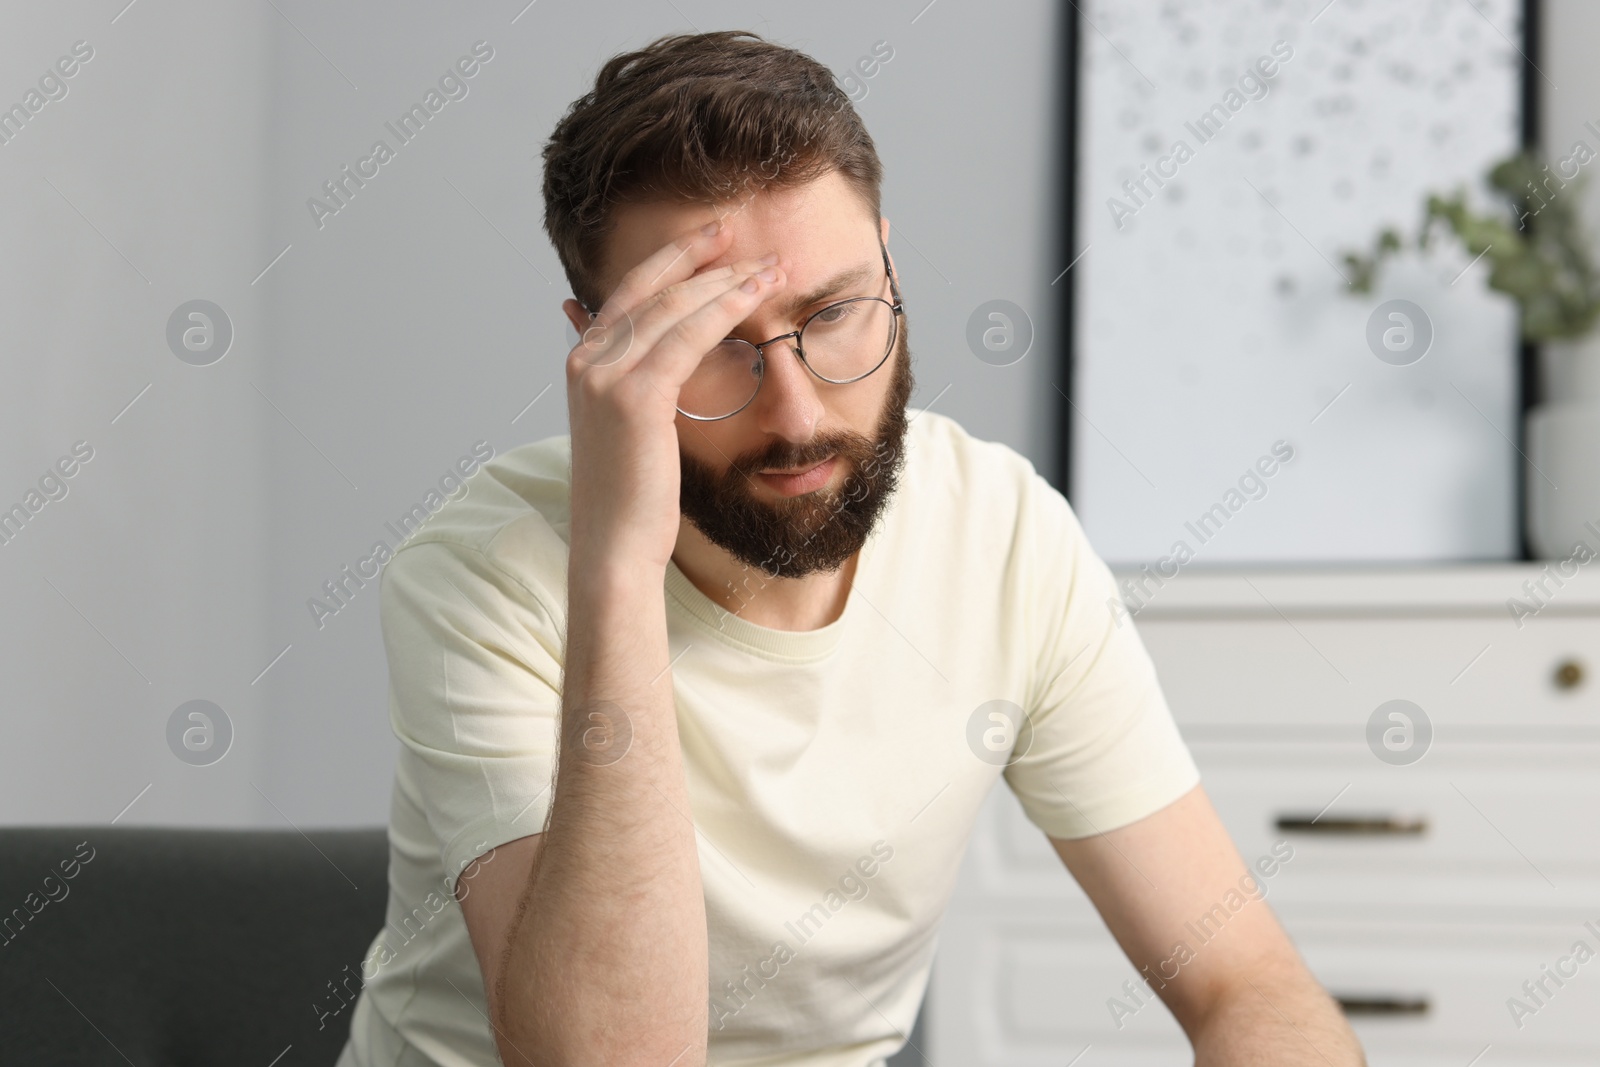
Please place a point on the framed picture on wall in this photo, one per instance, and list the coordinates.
(1232, 398)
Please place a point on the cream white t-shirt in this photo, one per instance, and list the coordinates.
(834, 774)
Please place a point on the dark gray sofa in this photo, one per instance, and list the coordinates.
(189, 948)
(182, 948)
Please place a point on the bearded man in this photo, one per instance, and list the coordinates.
(698, 703)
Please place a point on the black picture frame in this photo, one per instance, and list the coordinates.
(1066, 166)
(1530, 388)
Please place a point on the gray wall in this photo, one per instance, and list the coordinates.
(420, 318)
(146, 585)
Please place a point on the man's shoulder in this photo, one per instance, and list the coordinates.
(978, 504)
(948, 463)
(507, 528)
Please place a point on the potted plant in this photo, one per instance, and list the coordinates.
(1538, 255)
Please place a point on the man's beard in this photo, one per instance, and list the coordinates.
(816, 531)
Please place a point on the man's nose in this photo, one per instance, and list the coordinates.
(787, 405)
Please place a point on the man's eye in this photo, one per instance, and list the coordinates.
(835, 313)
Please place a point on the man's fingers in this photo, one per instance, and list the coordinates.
(703, 285)
(614, 336)
(673, 262)
(684, 342)
(674, 302)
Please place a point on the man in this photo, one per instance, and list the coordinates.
(779, 634)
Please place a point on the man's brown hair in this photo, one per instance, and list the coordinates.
(695, 117)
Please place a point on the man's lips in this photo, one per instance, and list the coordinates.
(796, 480)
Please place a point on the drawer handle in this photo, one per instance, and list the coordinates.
(1350, 825)
(1569, 674)
(1391, 1005)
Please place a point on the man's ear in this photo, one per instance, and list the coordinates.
(575, 315)
(883, 235)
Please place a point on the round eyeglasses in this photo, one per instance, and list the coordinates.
(841, 343)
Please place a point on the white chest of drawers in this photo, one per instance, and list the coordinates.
(1441, 860)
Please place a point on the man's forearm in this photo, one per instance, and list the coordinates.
(1277, 1019)
(607, 960)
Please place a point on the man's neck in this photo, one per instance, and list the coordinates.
(749, 592)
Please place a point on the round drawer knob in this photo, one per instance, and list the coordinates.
(1569, 674)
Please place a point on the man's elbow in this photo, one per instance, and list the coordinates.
(529, 1031)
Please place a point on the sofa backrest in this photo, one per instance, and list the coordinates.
(184, 947)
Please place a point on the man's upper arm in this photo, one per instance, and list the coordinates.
(474, 665)
(474, 676)
(490, 891)
(1174, 867)
(1102, 748)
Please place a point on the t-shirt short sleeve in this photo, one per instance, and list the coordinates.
(1104, 749)
(474, 676)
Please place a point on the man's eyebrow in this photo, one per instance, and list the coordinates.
(838, 283)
